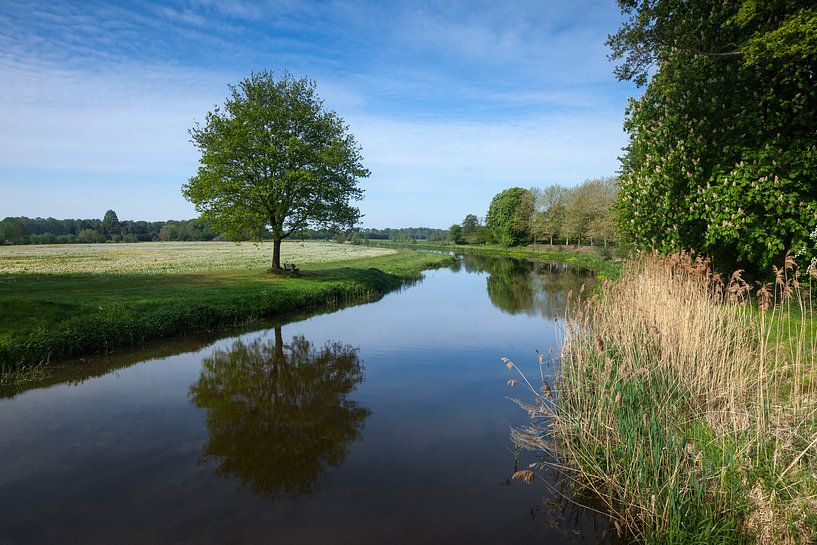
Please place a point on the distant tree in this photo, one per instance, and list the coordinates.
(275, 157)
(588, 212)
(168, 232)
(90, 236)
(473, 231)
(13, 231)
(455, 234)
(549, 215)
(469, 225)
(602, 225)
(110, 224)
(509, 216)
(23, 230)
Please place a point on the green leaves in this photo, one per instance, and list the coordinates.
(509, 216)
(274, 157)
(721, 157)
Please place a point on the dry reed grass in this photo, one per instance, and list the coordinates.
(686, 403)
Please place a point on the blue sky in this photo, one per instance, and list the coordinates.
(451, 101)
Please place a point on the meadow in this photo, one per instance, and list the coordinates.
(169, 257)
(65, 301)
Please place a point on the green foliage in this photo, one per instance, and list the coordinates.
(13, 231)
(90, 236)
(581, 213)
(455, 234)
(722, 156)
(110, 224)
(25, 230)
(549, 215)
(473, 231)
(783, 30)
(275, 157)
(587, 211)
(509, 216)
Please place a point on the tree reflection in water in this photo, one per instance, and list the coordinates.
(518, 286)
(278, 415)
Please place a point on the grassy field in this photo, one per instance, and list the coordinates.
(62, 301)
(169, 257)
(688, 405)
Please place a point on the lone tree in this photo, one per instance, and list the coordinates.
(275, 158)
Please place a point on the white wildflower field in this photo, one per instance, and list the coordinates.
(170, 257)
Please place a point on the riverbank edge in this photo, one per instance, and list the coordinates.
(251, 299)
(618, 400)
(605, 263)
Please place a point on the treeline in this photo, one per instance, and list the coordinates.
(23, 230)
(403, 234)
(553, 215)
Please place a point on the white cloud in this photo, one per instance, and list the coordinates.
(449, 109)
(436, 172)
(133, 119)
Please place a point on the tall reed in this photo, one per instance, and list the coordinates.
(687, 405)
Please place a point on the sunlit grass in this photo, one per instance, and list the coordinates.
(59, 309)
(170, 257)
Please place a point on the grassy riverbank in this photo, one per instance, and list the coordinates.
(688, 406)
(60, 302)
(604, 261)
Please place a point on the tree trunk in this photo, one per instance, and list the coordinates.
(276, 254)
(551, 240)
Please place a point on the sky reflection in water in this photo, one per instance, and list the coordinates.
(381, 423)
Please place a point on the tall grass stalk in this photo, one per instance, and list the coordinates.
(686, 403)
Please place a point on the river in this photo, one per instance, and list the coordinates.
(381, 423)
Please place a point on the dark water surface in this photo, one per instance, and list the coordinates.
(382, 423)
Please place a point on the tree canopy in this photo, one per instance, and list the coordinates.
(509, 216)
(722, 156)
(23, 230)
(274, 157)
(581, 214)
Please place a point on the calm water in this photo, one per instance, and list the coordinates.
(386, 422)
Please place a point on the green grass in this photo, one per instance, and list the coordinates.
(51, 317)
(605, 262)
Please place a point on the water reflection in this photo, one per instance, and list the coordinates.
(279, 414)
(535, 288)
